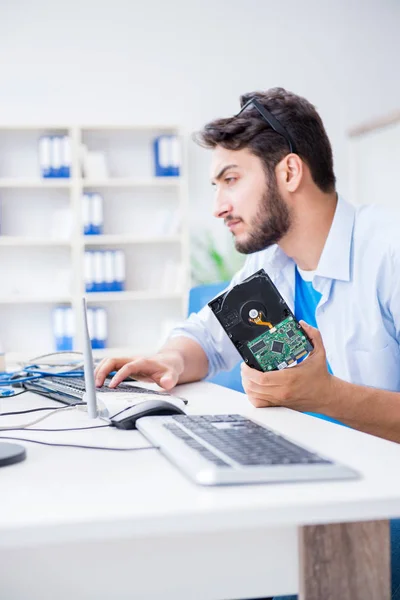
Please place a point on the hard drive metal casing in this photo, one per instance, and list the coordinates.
(260, 324)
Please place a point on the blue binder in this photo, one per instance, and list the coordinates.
(166, 156)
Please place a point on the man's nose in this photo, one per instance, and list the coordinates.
(221, 206)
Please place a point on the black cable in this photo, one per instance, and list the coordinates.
(24, 412)
(3, 437)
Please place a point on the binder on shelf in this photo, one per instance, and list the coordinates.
(89, 271)
(45, 156)
(65, 170)
(105, 271)
(63, 328)
(101, 328)
(167, 156)
(119, 270)
(56, 152)
(97, 325)
(175, 155)
(98, 271)
(55, 156)
(86, 214)
(109, 282)
(92, 213)
(91, 324)
(58, 328)
(96, 214)
(69, 328)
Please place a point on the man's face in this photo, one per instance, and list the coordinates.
(251, 206)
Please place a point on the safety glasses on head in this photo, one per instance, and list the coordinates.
(270, 119)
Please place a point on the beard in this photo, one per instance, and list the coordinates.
(270, 224)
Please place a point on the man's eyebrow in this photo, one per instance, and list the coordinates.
(222, 171)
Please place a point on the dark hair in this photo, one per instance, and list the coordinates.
(249, 130)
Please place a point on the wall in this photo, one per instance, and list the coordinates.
(187, 62)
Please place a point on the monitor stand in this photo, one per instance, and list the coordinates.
(11, 454)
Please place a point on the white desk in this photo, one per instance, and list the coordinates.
(81, 524)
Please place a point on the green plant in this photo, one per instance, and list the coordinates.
(210, 264)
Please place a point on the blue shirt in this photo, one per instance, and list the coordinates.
(358, 315)
(306, 300)
(305, 305)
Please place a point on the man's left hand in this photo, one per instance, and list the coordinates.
(305, 387)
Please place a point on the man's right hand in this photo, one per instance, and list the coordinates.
(163, 369)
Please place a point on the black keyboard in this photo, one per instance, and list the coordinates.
(225, 438)
(70, 390)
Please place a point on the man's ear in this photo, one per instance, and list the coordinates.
(289, 172)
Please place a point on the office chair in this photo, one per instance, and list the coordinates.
(198, 297)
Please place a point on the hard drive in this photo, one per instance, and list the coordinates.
(261, 325)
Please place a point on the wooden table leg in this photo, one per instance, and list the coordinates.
(345, 561)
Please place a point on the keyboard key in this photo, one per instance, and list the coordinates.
(77, 384)
(195, 445)
(242, 441)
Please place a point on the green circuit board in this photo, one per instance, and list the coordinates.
(280, 346)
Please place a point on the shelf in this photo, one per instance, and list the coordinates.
(96, 127)
(35, 300)
(139, 128)
(11, 240)
(43, 244)
(98, 240)
(127, 182)
(131, 296)
(18, 183)
(123, 182)
(34, 127)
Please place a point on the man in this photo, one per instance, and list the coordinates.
(336, 266)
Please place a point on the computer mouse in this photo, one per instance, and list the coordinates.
(147, 408)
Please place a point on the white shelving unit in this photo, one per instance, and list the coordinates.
(42, 243)
(21, 183)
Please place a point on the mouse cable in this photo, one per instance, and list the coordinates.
(3, 437)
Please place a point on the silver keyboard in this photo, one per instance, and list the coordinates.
(232, 449)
